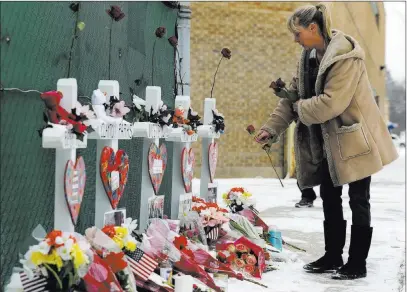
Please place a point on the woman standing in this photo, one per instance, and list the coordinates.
(340, 136)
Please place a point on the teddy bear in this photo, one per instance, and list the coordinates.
(58, 115)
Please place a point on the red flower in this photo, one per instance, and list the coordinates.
(226, 53)
(251, 129)
(241, 247)
(116, 261)
(115, 13)
(52, 236)
(249, 269)
(109, 230)
(251, 259)
(180, 242)
(189, 253)
(244, 256)
(231, 258)
(239, 263)
(173, 41)
(160, 32)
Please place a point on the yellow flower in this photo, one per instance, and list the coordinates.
(79, 257)
(39, 258)
(118, 241)
(131, 246)
(247, 195)
(225, 196)
(121, 231)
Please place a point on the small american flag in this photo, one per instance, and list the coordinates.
(37, 284)
(141, 264)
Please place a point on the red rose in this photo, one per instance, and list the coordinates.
(241, 247)
(160, 32)
(239, 263)
(173, 41)
(251, 259)
(251, 129)
(226, 53)
(249, 269)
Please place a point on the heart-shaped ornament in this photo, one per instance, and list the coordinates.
(157, 162)
(74, 186)
(187, 168)
(114, 169)
(213, 159)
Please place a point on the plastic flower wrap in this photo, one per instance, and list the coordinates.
(238, 199)
(244, 256)
(191, 227)
(163, 243)
(62, 258)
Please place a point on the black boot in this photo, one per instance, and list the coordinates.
(335, 235)
(355, 268)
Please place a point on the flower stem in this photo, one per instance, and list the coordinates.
(110, 44)
(179, 69)
(72, 43)
(55, 275)
(214, 77)
(152, 64)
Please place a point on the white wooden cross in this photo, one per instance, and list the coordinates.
(151, 133)
(181, 139)
(109, 133)
(65, 144)
(208, 135)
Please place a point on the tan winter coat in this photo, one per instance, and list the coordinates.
(356, 140)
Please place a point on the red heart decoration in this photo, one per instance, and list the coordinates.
(213, 159)
(187, 168)
(119, 164)
(74, 186)
(157, 162)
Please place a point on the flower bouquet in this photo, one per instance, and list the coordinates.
(165, 244)
(61, 258)
(212, 217)
(191, 227)
(243, 255)
(112, 243)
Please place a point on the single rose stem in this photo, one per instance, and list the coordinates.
(152, 64)
(72, 43)
(214, 77)
(110, 44)
(179, 69)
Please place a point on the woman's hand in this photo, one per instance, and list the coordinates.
(262, 137)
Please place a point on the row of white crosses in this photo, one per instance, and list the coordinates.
(109, 132)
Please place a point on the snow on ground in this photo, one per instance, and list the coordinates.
(304, 228)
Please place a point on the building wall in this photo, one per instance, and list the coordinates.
(263, 50)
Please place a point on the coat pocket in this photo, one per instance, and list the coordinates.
(352, 141)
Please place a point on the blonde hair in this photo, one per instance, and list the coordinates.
(308, 14)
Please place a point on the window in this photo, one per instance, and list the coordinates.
(375, 10)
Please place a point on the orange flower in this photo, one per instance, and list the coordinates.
(109, 230)
(53, 235)
(237, 190)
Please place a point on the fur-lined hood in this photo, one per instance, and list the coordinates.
(340, 47)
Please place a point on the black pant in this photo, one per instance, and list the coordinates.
(359, 196)
(308, 194)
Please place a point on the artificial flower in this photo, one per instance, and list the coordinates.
(180, 242)
(79, 257)
(119, 109)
